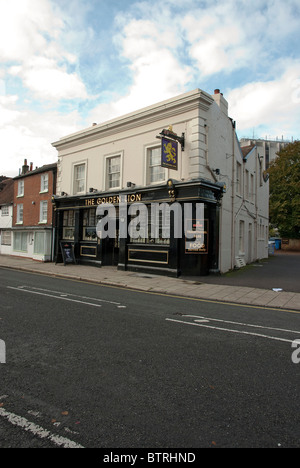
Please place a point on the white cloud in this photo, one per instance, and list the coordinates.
(272, 104)
(28, 134)
(157, 73)
(30, 34)
(47, 80)
(23, 26)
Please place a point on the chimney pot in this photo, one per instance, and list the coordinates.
(217, 91)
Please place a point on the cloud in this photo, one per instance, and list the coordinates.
(157, 73)
(49, 81)
(272, 104)
(30, 35)
(27, 134)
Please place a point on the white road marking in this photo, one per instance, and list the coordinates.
(64, 296)
(55, 297)
(207, 319)
(70, 294)
(38, 431)
(230, 330)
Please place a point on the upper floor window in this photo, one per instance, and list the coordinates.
(79, 179)
(21, 188)
(155, 173)
(113, 172)
(5, 211)
(20, 214)
(43, 211)
(44, 182)
(238, 178)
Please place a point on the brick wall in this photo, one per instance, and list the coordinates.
(32, 198)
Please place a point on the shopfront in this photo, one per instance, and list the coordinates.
(170, 229)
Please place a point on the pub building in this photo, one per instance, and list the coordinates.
(181, 153)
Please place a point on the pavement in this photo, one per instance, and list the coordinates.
(252, 285)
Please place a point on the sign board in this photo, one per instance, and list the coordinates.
(197, 241)
(169, 153)
(67, 250)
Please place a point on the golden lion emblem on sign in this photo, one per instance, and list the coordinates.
(170, 152)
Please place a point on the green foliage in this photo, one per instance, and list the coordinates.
(285, 191)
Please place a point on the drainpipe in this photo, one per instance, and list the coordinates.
(232, 200)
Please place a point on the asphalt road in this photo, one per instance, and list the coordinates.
(94, 367)
(279, 271)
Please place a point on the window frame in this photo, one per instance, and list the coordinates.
(42, 212)
(20, 213)
(107, 159)
(21, 188)
(44, 186)
(148, 176)
(75, 180)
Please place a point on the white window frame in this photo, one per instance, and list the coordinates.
(74, 182)
(20, 213)
(242, 237)
(44, 183)
(5, 211)
(23, 240)
(43, 219)
(5, 237)
(239, 178)
(106, 172)
(164, 171)
(21, 190)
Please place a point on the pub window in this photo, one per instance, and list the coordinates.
(69, 225)
(113, 172)
(155, 173)
(89, 225)
(79, 179)
(157, 229)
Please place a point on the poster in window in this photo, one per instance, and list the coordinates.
(196, 241)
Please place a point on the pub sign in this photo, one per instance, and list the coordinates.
(169, 153)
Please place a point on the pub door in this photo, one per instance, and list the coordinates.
(110, 249)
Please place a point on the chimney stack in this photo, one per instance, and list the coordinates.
(31, 166)
(221, 101)
(25, 167)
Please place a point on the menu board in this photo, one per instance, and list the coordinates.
(67, 250)
(196, 240)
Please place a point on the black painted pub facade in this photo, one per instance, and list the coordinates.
(76, 221)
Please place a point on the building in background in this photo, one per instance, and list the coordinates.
(267, 149)
(6, 213)
(33, 212)
(182, 151)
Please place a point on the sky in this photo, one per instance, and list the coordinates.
(65, 64)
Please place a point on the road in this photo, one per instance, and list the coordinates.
(90, 366)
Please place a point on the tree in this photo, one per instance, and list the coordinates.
(285, 191)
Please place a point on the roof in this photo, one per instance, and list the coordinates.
(246, 150)
(39, 170)
(6, 192)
